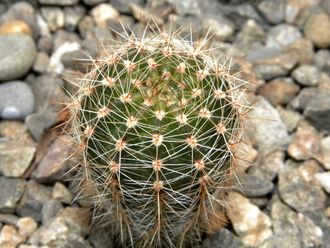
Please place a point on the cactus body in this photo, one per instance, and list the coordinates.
(156, 121)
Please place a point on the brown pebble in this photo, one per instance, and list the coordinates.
(15, 27)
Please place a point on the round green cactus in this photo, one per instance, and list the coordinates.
(156, 121)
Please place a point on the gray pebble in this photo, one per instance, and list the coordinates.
(11, 191)
(59, 2)
(306, 75)
(50, 209)
(16, 100)
(282, 35)
(322, 60)
(17, 56)
(254, 186)
(223, 238)
(273, 11)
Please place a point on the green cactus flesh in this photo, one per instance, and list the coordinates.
(156, 122)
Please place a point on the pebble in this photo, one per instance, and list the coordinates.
(303, 49)
(282, 35)
(253, 186)
(26, 226)
(61, 193)
(295, 8)
(279, 91)
(290, 118)
(94, 2)
(322, 60)
(274, 12)
(54, 17)
(72, 16)
(50, 209)
(305, 143)
(315, 30)
(315, 104)
(223, 238)
(84, 25)
(123, 5)
(325, 152)
(35, 195)
(102, 13)
(306, 75)
(293, 230)
(324, 179)
(251, 224)
(12, 47)
(15, 27)
(144, 16)
(11, 191)
(59, 2)
(299, 188)
(9, 238)
(221, 28)
(41, 63)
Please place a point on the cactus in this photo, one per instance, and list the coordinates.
(156, 121)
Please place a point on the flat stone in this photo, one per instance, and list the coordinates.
(290, 118)
(274, 12)
(11, 191)
(306, 75)
(12, 47)
(35, 195)
(59, 2)
(254, 186)
(293, 230)
(50, 209)
(305, 143)
(279, 91)
(223, 238)
(102, 13)
(282, 35)
(251, 225)
(61, 193)
(315, 30)
(299, 188)
(324, 179)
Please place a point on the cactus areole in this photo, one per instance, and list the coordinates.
(156, 121)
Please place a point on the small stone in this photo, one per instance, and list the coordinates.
(306, 75)
(50, 209)
(315, 104)
(293, 230)
(95, 2)
(303, 49)
(35, 195)
(41, 63)
(123, 5)
(221, 28)
(12, 47)
(325, 152)
(54, 17)
(254, 186)
(324, 179)
(84, 25)
(279, 91)
(290, 118)
(59, 2)
(322, 60)
(143, 15)
(282, 35)
(46, 44)
(223, 238)
(299, 188)
(260, 202)
(274, 12)
(315, 30)
(61, 193)
(15, 158)
(305, 143)
(102, 13)
(72, 17)
(26, 226)
(15, 27)
(11, 191)
(15, 131)
(9, 238)
(252, 225)
(294, 9)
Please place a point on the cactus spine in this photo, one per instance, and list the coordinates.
(156, 121)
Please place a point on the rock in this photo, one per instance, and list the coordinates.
(315, 104)
(91, 43)
(295, 8)
(221, 28)
(26, 226)
(61, 193)
(13, 47)
(290, 118)
(72, 17)
(12, 109)
(299, 188)
(144, 16)
(84, 25)
(293, 230)
(41, 63)
(50, 209)
(282, 35)
(123, 5)
(222, 238)
(324, 82)
(11, 191)
(46, 44)
(252, 225)
(303, 49)
(325, 152)
(253, 186)
(279, 91)
(35, 195)
(95, 2)
(268, 166)
(324, 179)
(315, 30)
(274, 64)
(9, 219)
(15, 158)
(322, 60)
(67, 229)
(269, 135)
(15, 27)
(15, 131)
(326, 6)
(9, 238)
(59, 2)
(260, 202)
(306, 75)
(321, 220)
(54, 17)
(102, 13)
(305, 143)
(274, 12)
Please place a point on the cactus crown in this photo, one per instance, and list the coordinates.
(156, 121)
